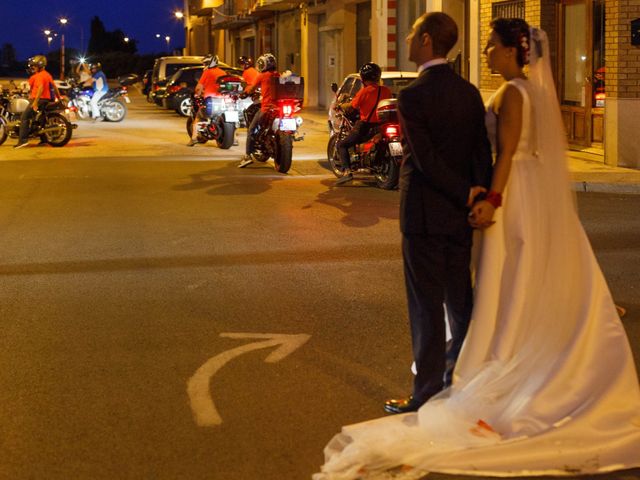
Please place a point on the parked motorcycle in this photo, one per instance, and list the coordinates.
(49, 124)
(218, 114)
(276, 140)
(381, 155)
(112, 105)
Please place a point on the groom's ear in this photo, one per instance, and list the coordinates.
(425, 39)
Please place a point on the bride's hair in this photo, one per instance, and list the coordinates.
(514, 32)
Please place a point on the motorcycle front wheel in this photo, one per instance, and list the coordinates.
(388, 172)
(201, 139)
(57, 130)
(284, 152)
(3, 130)
(332, 155)
(114, 110)
(228, 131)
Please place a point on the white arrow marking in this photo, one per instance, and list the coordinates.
(204, 411)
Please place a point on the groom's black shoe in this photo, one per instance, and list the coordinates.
(403, 405)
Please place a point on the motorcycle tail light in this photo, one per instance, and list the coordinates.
(287, 109)
(392, 131)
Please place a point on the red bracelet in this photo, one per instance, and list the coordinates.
(494, 198)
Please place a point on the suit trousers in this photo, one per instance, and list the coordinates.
(437, 273)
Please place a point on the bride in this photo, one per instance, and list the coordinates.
(545, 383)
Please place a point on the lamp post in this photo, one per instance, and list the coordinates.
(63, 22)
(168, 39)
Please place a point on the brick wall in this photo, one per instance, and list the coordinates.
(622, 60)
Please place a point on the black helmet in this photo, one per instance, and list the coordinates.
(266, 62)
(97, 66)
(39, 61)
(246, 62)
(370, 72)
(210, 61)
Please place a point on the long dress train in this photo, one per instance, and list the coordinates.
(545, 383)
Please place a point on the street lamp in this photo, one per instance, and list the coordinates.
(63, 22)
(126, 39)
(179, 15)
(168, 39)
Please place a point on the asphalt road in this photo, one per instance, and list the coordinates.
(143, 282)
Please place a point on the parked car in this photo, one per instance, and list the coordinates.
(351, 84)
(180, 88)
(163, 70)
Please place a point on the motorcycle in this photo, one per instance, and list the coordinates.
(49, 124)
(218, 114)
(381, 155)
(112, 105)
(276, 140)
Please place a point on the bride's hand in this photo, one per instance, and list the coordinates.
(481, 215)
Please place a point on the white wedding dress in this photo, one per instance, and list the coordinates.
(545, 383)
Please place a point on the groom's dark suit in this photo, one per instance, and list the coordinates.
(446, 152)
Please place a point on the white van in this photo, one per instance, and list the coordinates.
(165, 67)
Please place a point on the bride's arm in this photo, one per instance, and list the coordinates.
(509, 128)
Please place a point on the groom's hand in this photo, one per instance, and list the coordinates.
(473, 193)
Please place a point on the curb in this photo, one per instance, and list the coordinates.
(593, 187)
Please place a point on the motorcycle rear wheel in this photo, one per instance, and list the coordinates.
(388, 173)
(228, 130)
(284, 152)
(62, 133)
(201, 139)
(114, 110)
(3, 130)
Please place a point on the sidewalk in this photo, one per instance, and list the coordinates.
(588, 171)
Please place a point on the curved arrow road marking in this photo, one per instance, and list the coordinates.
(204, 411)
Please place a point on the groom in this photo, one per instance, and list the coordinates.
(447, 161)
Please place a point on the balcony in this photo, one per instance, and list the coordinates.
(274, 5)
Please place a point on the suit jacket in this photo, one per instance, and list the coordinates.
(446, 151)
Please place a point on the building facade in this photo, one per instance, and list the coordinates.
(596, 63)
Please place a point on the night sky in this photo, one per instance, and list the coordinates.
(22, 23)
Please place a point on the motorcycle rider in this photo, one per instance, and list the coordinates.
(207, 86)
(366, 100)
(100, 88)
(42, 88)
(267, 66)
(249, 72)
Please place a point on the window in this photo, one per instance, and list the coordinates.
(509, 9)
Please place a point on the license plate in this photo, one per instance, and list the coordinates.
(127, 99)
(231, 116)
(396, 149)
(288, 124)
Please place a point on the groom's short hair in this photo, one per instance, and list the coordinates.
(442, 29)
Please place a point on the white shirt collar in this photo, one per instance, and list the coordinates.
(431, 63)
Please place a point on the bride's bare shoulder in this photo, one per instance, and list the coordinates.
(508, 96)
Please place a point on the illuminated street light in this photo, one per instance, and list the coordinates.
(168, 39)
(157, 35)
(179, 15)
(63, 21)
(47, 32)
(126, 39)
(49, 42)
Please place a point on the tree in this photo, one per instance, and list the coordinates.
(103, 41)
(7, 55)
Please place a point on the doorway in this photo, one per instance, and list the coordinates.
(581, 71)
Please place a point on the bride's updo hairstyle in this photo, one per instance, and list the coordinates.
(514, 32)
